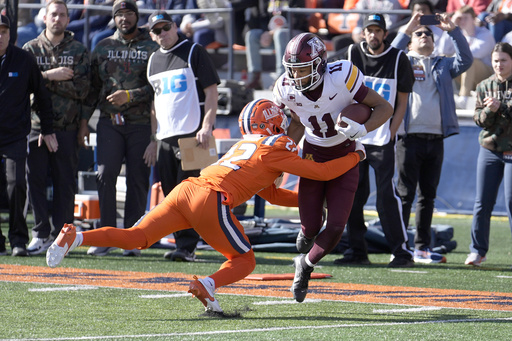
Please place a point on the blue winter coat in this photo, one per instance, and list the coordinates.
(444, 69)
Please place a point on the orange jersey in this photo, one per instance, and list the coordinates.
(252, 165)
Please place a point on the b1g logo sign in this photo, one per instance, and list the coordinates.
(173, 84)
(384, 87)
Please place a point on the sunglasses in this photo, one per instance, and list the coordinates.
(420, 33)
(166, 28)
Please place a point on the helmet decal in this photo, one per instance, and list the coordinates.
(262, 117)
(317, 46)
(303, 51)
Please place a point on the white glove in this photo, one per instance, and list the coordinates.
(353, 131)
(360, 147)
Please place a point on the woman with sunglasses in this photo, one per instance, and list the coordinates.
(430, 117)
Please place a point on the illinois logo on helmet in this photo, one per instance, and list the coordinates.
(262, 117)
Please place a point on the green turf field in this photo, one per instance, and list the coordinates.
(46, 311)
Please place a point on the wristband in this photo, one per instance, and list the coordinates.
(128, 95)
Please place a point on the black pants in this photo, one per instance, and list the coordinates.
(389, 205)
(63, 167)
(171, 174)
(420, 159)
(14, 158)
(117, 144)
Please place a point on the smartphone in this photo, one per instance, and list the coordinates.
(430, 20)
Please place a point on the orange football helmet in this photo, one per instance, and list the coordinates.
(262, 117)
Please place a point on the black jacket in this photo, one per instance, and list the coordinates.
(19, 77)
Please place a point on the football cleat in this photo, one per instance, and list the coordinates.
(301, 280)
(66, 241)
(204, 293)
(303, 243)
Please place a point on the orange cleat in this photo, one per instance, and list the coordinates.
(204, 293)
(65, 242)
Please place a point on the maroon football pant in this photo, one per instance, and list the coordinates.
(337, 194)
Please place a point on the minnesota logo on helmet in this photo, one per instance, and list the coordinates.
(262, 117)
(305, 50)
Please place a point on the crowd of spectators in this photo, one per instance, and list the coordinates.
(262, 24)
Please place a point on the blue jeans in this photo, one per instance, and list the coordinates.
(491, 170)
(27, 33)
(253, 45)
(498, 30)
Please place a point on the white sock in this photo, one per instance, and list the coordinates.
(210, 282)
(308, 262)
(79, 238)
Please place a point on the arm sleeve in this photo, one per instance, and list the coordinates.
(463, 57)
(280, 196)
(92, 99)
(42, 97)
(406, 75)
(78, 86)
(204, 68)
(284, 161)
(483, 116)
(401, 40)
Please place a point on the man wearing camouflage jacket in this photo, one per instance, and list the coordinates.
(64, 63)
(120, 90)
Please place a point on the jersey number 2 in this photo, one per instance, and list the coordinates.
(239, 152)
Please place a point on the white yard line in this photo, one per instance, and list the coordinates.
(262, 330)
(74, 288)
(405, 310)
(165, 296)
(290, 301)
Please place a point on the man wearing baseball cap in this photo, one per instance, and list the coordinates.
(196, 90)
(387, 71)
(19, 78)
(376, 19)
(121, 92)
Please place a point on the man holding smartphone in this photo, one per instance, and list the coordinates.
(430, 19)
(430, 117)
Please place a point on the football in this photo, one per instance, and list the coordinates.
(358, 112)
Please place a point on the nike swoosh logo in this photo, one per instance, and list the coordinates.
(331, 98)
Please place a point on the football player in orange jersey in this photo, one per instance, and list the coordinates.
(250, 167)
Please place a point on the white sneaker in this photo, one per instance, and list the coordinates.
(100, 250)
(66, 241)
(427, 257)
(39, 245)
(132, 253)
(461, 102)
(475, 259)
